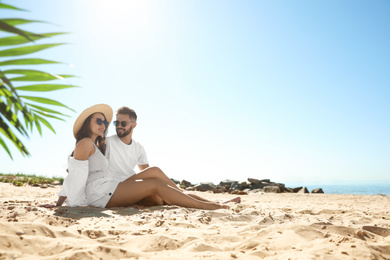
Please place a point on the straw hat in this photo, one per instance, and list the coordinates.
(106, 110)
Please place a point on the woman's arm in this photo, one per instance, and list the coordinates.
(60, 201)
(75, 181)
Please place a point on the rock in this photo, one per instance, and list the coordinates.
(227, 182)
(317, 191)
(243, 184)
(254, 181)
(222, 188)
(204, 187)
(295, 190)
(280, 185)
(303, 190)
(208, 183)
(175, 181)
(236, 186)
(253, 186)
(272, 189)
(185, 183)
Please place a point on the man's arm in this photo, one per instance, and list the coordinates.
(143, 166)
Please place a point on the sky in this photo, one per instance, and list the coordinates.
(292, 91)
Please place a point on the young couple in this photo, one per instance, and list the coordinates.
(102, 174)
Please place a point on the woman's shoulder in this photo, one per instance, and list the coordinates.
(84, 149)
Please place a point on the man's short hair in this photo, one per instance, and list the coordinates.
(127, 111)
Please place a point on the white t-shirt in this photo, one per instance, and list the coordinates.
(122, 158)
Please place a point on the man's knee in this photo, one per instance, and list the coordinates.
(155, 169)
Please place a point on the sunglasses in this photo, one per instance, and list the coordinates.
(122, 123)
(99, 121)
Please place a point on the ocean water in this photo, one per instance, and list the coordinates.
(357, 188)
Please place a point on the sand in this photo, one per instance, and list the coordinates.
(263, 226)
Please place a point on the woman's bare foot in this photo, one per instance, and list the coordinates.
(235, 200)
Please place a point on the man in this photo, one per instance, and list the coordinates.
(123, 152)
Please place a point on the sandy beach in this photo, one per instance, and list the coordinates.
(263, 226)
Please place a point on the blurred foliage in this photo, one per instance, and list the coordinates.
(29, 179)
(21, 113)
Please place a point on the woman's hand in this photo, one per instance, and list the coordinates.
(48, 206)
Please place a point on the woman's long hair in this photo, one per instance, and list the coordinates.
(85, 131)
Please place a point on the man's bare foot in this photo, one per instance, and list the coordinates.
(235, 200)
(224, 206)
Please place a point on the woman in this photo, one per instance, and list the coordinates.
(88, 182)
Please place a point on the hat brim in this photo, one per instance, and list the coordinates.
(106, 110)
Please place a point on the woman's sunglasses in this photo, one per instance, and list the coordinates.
(122, 123)
(99, 121)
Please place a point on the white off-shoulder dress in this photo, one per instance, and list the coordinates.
(88, 183)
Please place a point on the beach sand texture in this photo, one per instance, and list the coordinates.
(263, 226)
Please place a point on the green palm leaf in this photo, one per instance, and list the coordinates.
(44, 121)
(45, 101)
(44, 87)
(46, 110)
(5, 147)
(38, 126)
(11, 29)
(27, 50)
(17, 21)
(14, 40)
(34, 75)
(7, 132)
(47, 114)
(5, 6)
(12, 118)
(32, 61)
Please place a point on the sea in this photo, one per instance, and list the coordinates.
(353, 187)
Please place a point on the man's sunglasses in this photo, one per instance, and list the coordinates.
(122, 123)
(99, 121)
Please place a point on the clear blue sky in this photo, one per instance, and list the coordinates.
(294, 91)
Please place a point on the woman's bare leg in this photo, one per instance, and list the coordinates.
(235, 200)
(149, 173)
(131, 191)
(155, 173)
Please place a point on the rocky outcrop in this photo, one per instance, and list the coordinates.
(243, 187)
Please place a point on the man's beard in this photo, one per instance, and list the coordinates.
(125, 133)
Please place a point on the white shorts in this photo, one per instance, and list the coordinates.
(99, 192)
